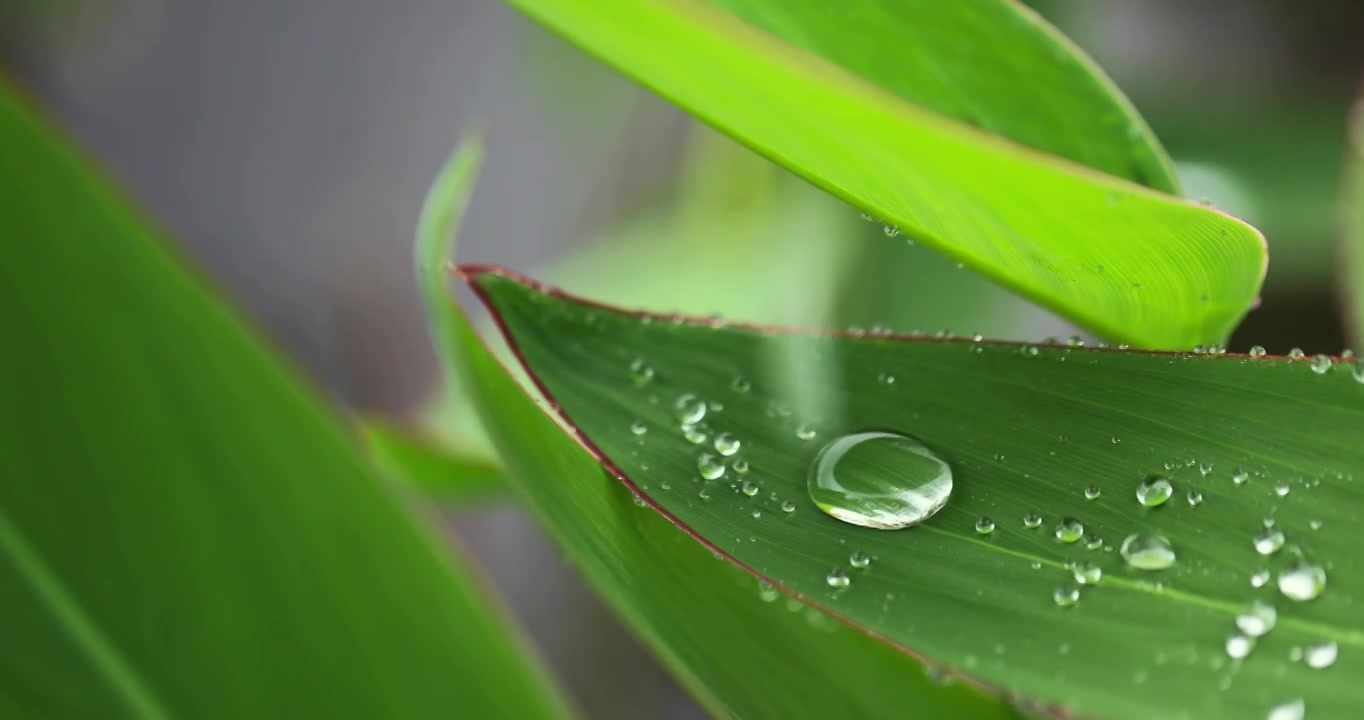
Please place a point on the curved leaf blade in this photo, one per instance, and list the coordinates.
(994, 64)
(1131, 264)
(423, 464)
(185, 528)
(1025, 433)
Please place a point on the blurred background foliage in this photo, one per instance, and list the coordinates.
(289, 144)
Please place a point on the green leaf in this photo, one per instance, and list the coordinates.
(1025, 430)
(994, 64)
(1131, 264)
(429, 466)
(739, 648)
(185, 528)
(1351, 279)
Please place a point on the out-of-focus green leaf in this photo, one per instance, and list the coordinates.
(991, 63)
(741, 649)
(1351, 277)
(430, 466)
(185, 530)
(1260, 460)
(1129, 263)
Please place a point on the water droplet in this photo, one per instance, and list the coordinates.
(1321, 364)
(1257, 619)
(806, 431)
(885, 378)
(703, 493)
(1093, 542)
(1195, 497)
(641, 372)
(891, 230)
(985, 526)
(1322, 655)
(837, 578)
(879, 480)
(937, 674)
(1066, 595)
(859, 559)
(694, 434)
(726, 444)
(1147, 551)
(749, 488)
(1032, 520)
(1239, 646)
(1205, 469)
(740, 384)
(639, 500)
(1087, 573)
(1268, 541)
(740, 466)
(709, 466)
(1281, 490)
(1314, 524)
(1217, 349)
(767, 591)
(788, 506)
(1296, 354)
(1291, 710)
(1347, 355)
(757, 514)
(1200, 349)
(1069, 530)
(1092, 492)
(866, 216)
(1303, 581)
(689, 409)
(1359, 372)
(1239, 476)
(1259, 578)
(638, 427)
(1154, 491)
(1257, 351)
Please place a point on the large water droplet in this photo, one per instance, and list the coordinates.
(689, 409)
(985, 526)
(1257, 351)
(1291, 710)
(1268, 541)
(1069, 530)
(726, 444)
(1154, 491)
(1239, 476)
(1146, 551)
(1092, 492)
(1239, 646)
(1296, 354)
(837, 578)
(749, 488)
(879, 480)
(1087, 573)
(1321, 364)
(1066, 595)
(859, 559)
(1032, 520)
(694, 434)
(709, 466)
(1303, 581)
(1257, 619)
(1322, 655)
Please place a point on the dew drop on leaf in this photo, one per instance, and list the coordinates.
(1321, 364)
(1268, 541)
(1093, 542)
(749, 488)
(859, 559)
(740, 384)
(740, 466)
(1069, 530)
(1239, 646)
(1259, 578)
(641, 372)
(709, 466)
(1258, 619)
(1154, 491)
(638, 427)
(806, 431)
(1296, 354)
(726, 444)
(1032, 520)
(1257, 351)
(1239, 476)
(1304, 581)
(694, 434)
(1195, 497)
(788, 506)
(891, 230)
(1291, 710)
(1147, 551)
(1092, 492)
(1322, 655)
(1087, 573)
(1066, 595)
(689, 409)
(837, 578)
(879, 480)
(985, 526)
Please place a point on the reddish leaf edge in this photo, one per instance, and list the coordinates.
(470, 274)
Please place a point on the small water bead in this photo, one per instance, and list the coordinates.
(689, 409)
(1296, 354)
(1321, 364)
(1154, 491)
(866, 216)
(709, 466)
(1268, 541)
(1200, 349)
(1092, 492)
(1304, 581)
(641, 372)
(1291, 710)
(1281, 490)
(885, 378)
(1321, 656)
(1093, 542)
(740, 466)
(1205, 469)
(1239, 646)
(1069, 530)
(1217, 349)
(756, 514)
(639, 427)
(1295, 654)
(639, 500)
(767, 591)
(1258, 619)
(749, 488)
(1259, 578)
(1147, 551)
(1239, 476)
(1257, 351)
(1087, 573)
(1195, 497)
(1347, 355)
(695, 434)
(805, 431)
(985, 526)
(1066, 595)
(726, 444)
(879, 480)
(891, 230)
(838, 578)
(788, 506)
(740, 384)
(1032, 520)
(859, 559)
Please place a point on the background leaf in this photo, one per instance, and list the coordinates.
(1130, 264)
(185, 531)
(427, 465)
(1252, 447)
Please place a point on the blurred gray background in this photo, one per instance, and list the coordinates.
(288, 145)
